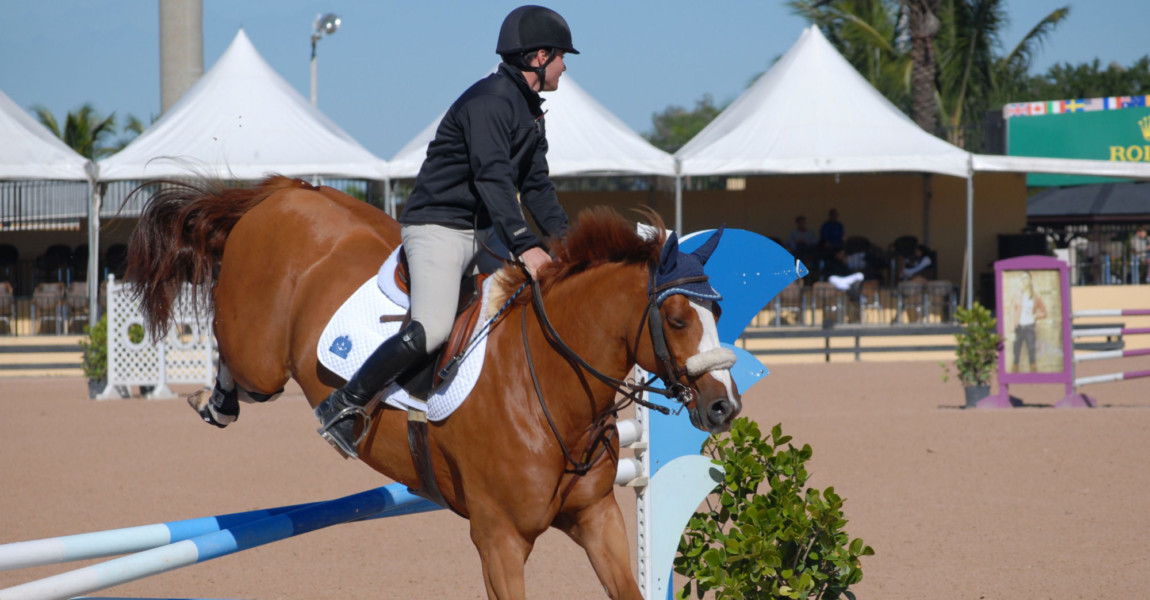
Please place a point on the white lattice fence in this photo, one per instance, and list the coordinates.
(184, 356)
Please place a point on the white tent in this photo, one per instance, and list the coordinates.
(584, 138)
(242, 120)
(813, 113)
(28, 150)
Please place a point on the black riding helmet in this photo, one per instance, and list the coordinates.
(529, 28)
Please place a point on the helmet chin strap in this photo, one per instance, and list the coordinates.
(541, 70)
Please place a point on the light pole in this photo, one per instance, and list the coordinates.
(324, 25)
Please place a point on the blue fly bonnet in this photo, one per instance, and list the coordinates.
(681, 273)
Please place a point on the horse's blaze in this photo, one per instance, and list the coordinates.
(717, 397)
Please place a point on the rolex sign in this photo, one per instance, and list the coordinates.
(1119, 133)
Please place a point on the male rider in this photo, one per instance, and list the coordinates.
(490, 147)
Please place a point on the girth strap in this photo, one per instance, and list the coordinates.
(417, 442)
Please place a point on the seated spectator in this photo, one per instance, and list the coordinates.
(857, 261)
(842, 276)
(801, 240)
(915, 267)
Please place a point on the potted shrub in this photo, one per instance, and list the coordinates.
(976, 357)
(95, 362)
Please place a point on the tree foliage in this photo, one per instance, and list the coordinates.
(95, 349)
(973, 75)
(769, 535)
(675, 126)
(1088, 80)
(89, 133)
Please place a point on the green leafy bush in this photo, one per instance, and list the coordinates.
(768, 536)
(976, 357)
(95, 348)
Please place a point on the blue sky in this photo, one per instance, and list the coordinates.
(394, 66)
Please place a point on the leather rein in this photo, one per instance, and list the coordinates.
(632, 391)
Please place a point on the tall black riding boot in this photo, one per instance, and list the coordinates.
(337, 413)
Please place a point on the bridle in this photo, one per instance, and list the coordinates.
(632, 391)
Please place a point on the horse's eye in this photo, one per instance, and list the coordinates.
(676, 323)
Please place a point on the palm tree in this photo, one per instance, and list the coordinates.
(932, 57)
(923, 23)
(972, 77)
(133, 128)
(84, 130)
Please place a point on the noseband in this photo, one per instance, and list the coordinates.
(632, 391)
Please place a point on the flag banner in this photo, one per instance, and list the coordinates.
(1076, 105)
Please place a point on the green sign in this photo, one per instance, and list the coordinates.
(1115, 135)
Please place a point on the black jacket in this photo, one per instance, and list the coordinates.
(490, 144)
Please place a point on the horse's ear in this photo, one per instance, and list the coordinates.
(704, 252)
(669, 261)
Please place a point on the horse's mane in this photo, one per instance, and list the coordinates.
(598, 236)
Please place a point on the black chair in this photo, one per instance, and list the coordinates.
(856, 244)
(52, 265)
(78, 262)
(9, 255)
(115, 261)
(904, 245)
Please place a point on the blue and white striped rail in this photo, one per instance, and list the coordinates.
(248, 531)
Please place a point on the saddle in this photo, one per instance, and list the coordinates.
(442, 364)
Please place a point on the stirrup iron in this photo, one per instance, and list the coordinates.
(337, 442)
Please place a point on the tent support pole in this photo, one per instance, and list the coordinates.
(679, 204)
(969, 275)
(388, 200)
(926, 197)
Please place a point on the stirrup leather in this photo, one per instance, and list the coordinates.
(338, 442)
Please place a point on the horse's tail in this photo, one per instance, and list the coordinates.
(180, 239)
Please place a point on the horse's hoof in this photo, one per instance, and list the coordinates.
(204, 403)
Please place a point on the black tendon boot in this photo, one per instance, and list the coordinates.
(337, 413)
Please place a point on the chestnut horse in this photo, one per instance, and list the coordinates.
(276, 261)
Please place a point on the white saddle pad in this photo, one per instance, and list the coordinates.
(355, 331)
